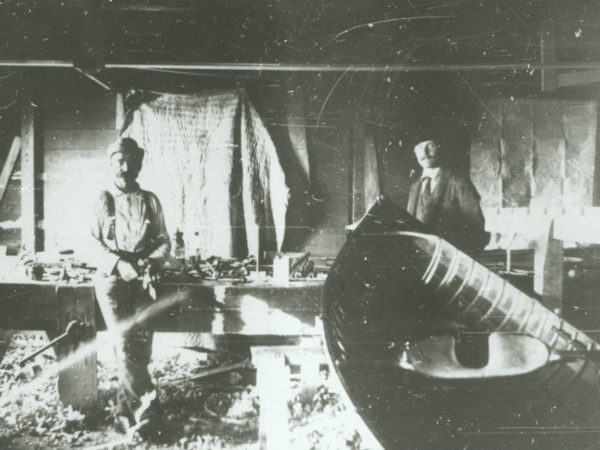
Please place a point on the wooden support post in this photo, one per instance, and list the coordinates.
(273, 384)
(78, 382)
(372, 181)
(272, 381)
(120, 112)
(310, 360)
(548, 49)
(548, 270)
(30, 149)
(5, 337)
(9, 165)
(358, 172)
(351, 176)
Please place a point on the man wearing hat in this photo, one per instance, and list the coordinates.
(445, 201)
(130, 241)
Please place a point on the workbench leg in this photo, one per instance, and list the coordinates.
(5, 337)
(273, 385)
(78, 382)
(310, 375)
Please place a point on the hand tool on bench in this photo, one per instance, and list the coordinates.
(73, 329)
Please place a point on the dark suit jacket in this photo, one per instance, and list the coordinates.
(453, 211)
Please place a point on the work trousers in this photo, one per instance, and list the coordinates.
(120, 302)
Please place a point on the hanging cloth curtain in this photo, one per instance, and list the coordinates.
(214, 167)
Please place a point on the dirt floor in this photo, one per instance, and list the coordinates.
(220, 412)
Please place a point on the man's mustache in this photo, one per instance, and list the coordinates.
(127, 176)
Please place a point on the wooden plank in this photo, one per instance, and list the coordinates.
(548, 270)
(194, 307)
(579, 78)
(9, 165)
(29, 183)
(242, 309)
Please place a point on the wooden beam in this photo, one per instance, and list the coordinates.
(168, 7)
(95, 79)
(9, 165)
(53, 63)
(579, 78)
(548, 49)
(363, 68)
(30, 148)
(316, 67)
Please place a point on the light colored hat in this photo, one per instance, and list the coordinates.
(125, 145)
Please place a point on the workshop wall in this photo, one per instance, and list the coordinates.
(536, 153)
(78, 122)
(534, 160)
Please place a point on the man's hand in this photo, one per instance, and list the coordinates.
(126, 270)
(150, 277)
(147, 266)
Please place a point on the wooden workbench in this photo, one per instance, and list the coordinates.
(191, 312)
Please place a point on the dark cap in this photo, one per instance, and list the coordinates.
(125, 145)
(421, 134)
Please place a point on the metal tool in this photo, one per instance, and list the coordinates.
(73, 330)
(149, 282)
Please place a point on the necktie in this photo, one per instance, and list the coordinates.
(422, 212)
(426, 186)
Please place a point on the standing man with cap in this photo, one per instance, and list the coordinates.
(130, 239)
(447, 202)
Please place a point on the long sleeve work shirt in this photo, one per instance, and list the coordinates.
(128, 225)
